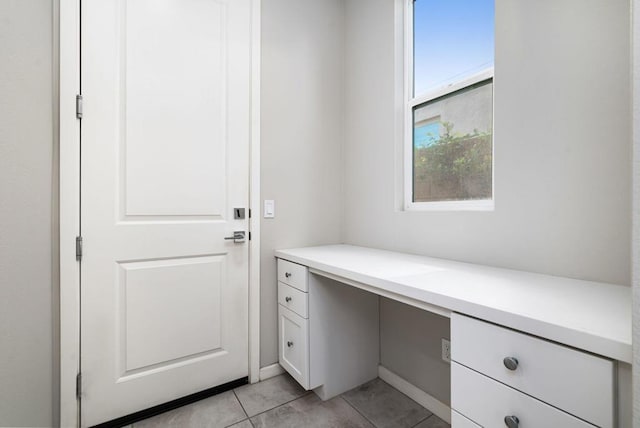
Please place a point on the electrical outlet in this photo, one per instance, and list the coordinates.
(446, 350)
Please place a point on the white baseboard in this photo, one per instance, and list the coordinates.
(427, 401)
(271, 371)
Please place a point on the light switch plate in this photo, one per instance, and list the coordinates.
(269, 208)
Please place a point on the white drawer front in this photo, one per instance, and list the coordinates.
(293, 299)
(293, 274)
(293, 345)
(488, 402)
(579, 383)
(459, 421)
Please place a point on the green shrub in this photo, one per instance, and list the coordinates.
(454, 167)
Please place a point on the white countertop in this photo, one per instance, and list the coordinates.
(592, 316)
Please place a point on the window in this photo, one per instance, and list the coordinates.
(449, 104)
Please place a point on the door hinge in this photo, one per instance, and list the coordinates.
(79, 106)
(78, 248)
(249, 236)
(78, 385)
(249, 212)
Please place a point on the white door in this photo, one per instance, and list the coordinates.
(165, 160)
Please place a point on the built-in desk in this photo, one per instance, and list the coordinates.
(572, 331)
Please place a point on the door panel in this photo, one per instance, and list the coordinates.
(163, 299)
(174, 106)
(165, 159)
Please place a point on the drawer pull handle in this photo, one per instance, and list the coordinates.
(290, 344)
(287, 299)
(511, 421)
(287, 275)
(511, 363)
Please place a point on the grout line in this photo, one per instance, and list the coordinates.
(432, 414)
(357, 411)
(283, 404)
(240, 402)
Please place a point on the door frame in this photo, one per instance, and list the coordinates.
(68, 37)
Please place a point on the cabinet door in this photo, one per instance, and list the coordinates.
(488, 402)
(293, 345)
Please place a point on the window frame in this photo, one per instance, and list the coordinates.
(411, 102)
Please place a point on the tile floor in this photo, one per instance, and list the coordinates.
(280, 402)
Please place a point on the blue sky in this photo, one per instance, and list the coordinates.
(453, 39)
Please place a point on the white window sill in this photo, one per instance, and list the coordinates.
(472, 205)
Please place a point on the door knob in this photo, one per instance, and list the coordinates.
(238, 237)
(511, 421)
(290, 344)
(287, 275)
(511, 363)
(287, 299)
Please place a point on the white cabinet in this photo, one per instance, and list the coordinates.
(573, 381)
(328, 337)
(293, 322)
(293, 345)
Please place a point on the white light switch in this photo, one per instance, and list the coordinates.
(269, 208)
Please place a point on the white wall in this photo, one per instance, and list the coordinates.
(401, 326)
(562, 152)
(636, 213)
(302, 136)
(26, 214)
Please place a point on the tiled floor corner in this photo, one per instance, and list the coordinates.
(385, 406)
(280, 402)
(244, 424)
(270, 393)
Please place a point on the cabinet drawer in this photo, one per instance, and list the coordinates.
(293, 274)
(293, 345)
(293, 299)
(574, 381)
(487, 403)
(459, 421)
